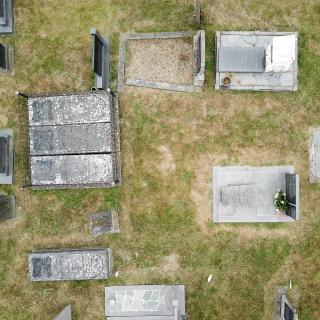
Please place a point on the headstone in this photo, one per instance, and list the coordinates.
(284, 309)
(6, 18)
(292, 195)
(3, 56)
(86, 264)
(104, 222)
(7, 207)
(100, 60)
(6, 156)
(65, 314)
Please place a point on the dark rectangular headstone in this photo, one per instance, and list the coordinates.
(3, 57)
(3, 154)
(7, 207)
(2, 9)
(292, 193)
(288, 313)
(98, 55)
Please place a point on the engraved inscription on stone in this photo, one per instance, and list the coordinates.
(42, 110)
(239, 195)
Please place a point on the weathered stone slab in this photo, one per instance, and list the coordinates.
(7, 207)
(150, 302)
(65, 314)
(6, 16)
(86, 264)
(104, 222)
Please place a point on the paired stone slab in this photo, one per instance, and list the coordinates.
(147, 302)
(65, 314)
(246, 194)
(241, 60)
(70, 264)
(104, 222)
(6, 156)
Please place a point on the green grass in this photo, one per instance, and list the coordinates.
(165, 213)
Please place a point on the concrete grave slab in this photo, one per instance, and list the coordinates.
(147, 302)
(314, 152)
(6, 156)
(241, 62)
(73, 140)
(246, 194)
(104, 222)
(6, 16)
(71, 264)
(65, 314)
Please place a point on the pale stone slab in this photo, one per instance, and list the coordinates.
(65, 314)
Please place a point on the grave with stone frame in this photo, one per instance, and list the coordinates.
(70, 264)
(104, 222)
(6, 156)
(255, 60)
(6, 16)
(73, 140)
(189, 64)
(246, 194)
(284, 308)
(147, 302)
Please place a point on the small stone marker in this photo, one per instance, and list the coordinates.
(87, 264)
(209, 278)
(65, 314)
(7, 207)
(104, 222)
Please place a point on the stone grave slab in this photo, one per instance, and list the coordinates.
(104, 222)
(73, 264)
(65, 314)
(150, 302)
(6, 16)
(7, 207)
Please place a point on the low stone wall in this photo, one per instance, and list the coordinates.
(200, 54)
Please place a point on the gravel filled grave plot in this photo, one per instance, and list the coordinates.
(165, 60)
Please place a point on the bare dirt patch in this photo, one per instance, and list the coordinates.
(170, 264)
(167, 163)
(164, 60)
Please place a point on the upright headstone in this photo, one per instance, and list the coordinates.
(292, 195)
(100, 60)
(86, 264)
(284, 308)
(4, 61)
(7, 207)
(65, 314)
(104, 222)
(6, 156)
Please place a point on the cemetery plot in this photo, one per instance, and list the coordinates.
(145, 302)
(104, 222)
(73, 140)
(87, 264)
(247, 194)
(266, 61)
(169, 60)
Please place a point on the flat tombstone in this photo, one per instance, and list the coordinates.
(89, 264)
(65, 314)
(6, 18)
(7, 207)
(104, 222)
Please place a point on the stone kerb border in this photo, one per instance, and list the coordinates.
(199, 52)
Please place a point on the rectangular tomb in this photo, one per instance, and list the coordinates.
(74, 140)
(86, 264)
(147, 302)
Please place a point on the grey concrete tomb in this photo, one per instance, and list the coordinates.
(70, 264)
(6, 156)
(145, 302)
(65, 314)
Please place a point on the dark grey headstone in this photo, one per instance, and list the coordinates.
(104, 222)
(6, 156)
(3, 56)
(7, 207)
(241, 59)
(2, 9)
(6, 17)
(98, 55)
(83, 264)
(292, 193)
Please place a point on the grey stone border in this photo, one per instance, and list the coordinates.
(218, 86)
(198, 40)
(313, 178)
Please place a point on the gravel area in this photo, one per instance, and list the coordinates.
(164, 60)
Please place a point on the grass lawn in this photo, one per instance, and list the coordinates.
(169, 141)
